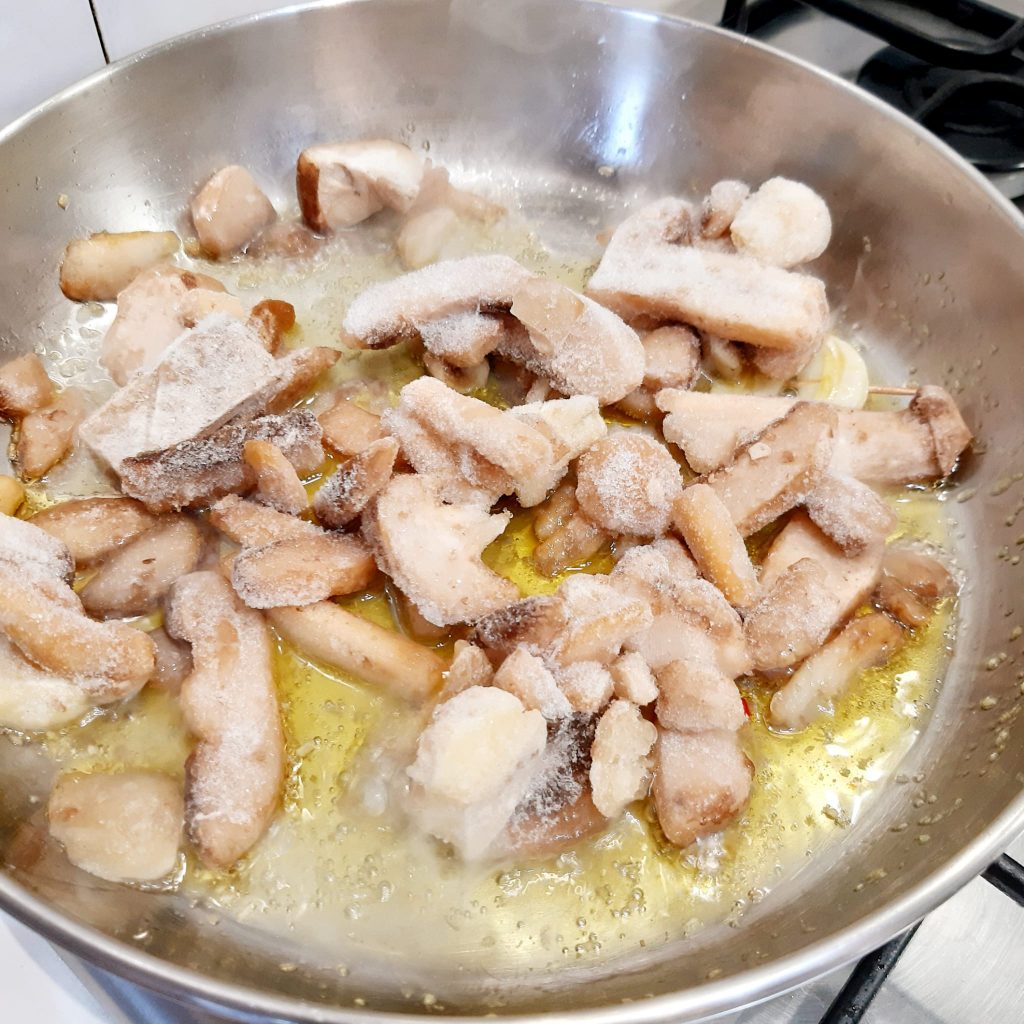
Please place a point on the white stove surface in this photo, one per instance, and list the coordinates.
(964, 966)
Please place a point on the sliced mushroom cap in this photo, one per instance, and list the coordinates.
(235, 774)
(277, 483)
(599, 619)
(349, 430)
(255, 526)
(343, 183)
(91, 528)
(627, 483)
(634, 681)
(302, 570)
(695, 696)
(229, 211)
(850, 513)
(96, 268)
(122, 826)
(25, 386)
(432, 550)
(721, 205)
(24, 545)
(701, 782)
(913, 581)
(829, 672)
(783, 223)
(587, 685)
(528, 678)
(671, 357)
(648, 269)
(469, 667)
(620, 768)
(133, 579)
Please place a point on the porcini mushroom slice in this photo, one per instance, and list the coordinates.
(235, 774)
(850, 578)
(850, 513)
(572, 543)
(424, 235)
(432, 550)
(587, 686)
(153, 311)
(599, 619)
(474, 763)
(633, 679)
(793, 618)
(701, 782)
(229, 211)
(93, 527)
(44, 618)
(671, 357)
(828, 673)
(302, 570)
(349, 430)
(25, 386)
(534, 622)
(277, 483)
(695, 696)
(330, 634)
(33, 700)
(348, 490)
(200, 471)
(272, 319)
(122, 826)
(627, 483)
(340, 184)
(528, 678)
(137, 575)
(723, 293)
(46, 435)
(778, 468)
(620, 768)
(783, 223)
(96, 268)
(255, 526)
(717, 546)
(912, 583)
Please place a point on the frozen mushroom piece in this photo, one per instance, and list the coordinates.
(793, 618)
(235, 774)
(46, 435)
(462, 340)
(599, 619)
(272, 319)
(724, 358)
(12, 494)
(470, 667)
(474, 762)
(720, 207)
(254, 526)
(302, 570)
(463, 379)
(379, 656)
(644, 272)
(122, 826)
(701, 782)
(695, 696)
(587, 686)
(229, 211)
(424, 235)
(913, 581)
(24, 546)
(620, 768)
(348, 429)
(96, 268)
(25, 386)
(829, 672)
(348, 490)
(717, 546)
(340, 184)
(627, 483)
(432, 550)
(277, 483)
(134, 577)
(783, 223)
(633, 679)
(173, 661)
(528, 678)
(778, 468)
(34, 700)
(91, 528)
(850, 513)
(671, 357)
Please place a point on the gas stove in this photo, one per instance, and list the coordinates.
(957, 67)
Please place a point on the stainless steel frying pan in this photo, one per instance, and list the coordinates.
(541, 99)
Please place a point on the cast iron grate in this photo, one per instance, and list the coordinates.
(955, 66)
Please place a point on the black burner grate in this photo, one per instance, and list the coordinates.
(955, 66)
(870, 973)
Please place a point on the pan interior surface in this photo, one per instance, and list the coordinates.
(569, 114)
